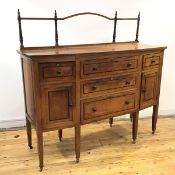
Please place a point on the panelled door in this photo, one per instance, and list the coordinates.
(149, 89)
(58, 105)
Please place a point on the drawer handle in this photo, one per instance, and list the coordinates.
(129, 65)
(57, 64)
(143, 90)
(94, 110)
(127, 82)
(58, 72)
(126, 102)
(153, 61)
(70, 104)
(94, 68)
(94, 88)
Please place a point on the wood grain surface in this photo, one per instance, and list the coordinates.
(87, 48)
(104, 150)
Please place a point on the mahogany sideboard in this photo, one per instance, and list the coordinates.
(73, 85)
(69, 86)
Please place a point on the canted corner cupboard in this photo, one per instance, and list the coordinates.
(73, 85)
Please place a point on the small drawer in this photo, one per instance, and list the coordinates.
(57, 71)
(102, 107)
(151, 60)
(103, 66)
(108, 84)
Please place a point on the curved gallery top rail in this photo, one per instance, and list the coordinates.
(55, 19)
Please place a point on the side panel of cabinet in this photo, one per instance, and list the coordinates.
(28, 88)
(149, 89)
(58, 106)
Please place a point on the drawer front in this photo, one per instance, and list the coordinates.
(109, 65)
(102, 107)
(151, 60)
(108, 84)
(57, 71)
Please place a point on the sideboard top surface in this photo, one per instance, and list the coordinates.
(86, 48)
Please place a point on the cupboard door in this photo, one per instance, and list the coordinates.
(149, 89)
(58, 105)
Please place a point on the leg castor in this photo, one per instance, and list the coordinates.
(60, 134)
(111, 122)
(30, 146)
(77, 160)
(29, 133)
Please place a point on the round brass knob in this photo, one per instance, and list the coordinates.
(94, 110)
(94, 88)
(58, 72)
(127, 102)
(129, 65)
(127, 82)
(153, 61)
(94, 68)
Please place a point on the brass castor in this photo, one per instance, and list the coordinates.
(77, 160)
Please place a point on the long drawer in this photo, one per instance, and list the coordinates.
(114, 64)
(104, 85)
(103, 107)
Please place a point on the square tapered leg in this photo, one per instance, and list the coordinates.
(135, 117)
